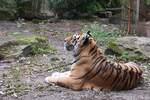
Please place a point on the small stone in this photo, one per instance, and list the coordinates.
(15, 95)
(2, 93)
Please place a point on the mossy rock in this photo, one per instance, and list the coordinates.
(41, 46)
(114, 47)
(130, 48)
(18, 45)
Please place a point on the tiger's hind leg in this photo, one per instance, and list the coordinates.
(64, 80)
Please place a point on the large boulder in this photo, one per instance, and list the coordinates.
(131, 48)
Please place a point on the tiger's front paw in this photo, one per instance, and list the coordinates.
(56, 74)
(50, 79)
(53, 78)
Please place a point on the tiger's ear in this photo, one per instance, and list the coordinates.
(85, 38)
(89, 33)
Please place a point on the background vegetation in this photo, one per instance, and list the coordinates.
(29, 9)
(33, 8)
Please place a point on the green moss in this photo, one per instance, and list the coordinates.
(127, 56)
(29, 39)
(16, 73)
(112, 45)
(37, 21)
(137, 58)
(25, 39)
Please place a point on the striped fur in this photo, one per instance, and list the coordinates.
(92, 70)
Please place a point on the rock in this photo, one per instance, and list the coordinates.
(13, 46)
(143, 29)
(132, 48)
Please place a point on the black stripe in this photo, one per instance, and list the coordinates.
(137, 75)
(136, 79)
(92, 49)
(120, 81)
(125, 77)
(125, 81)
(98, 70)
(130, 85)
(116, 75)
(94, 52)
(105, 69)
(111, 68)
(78, 59)
(89, 75)
(94, 56)
(115, 81)
(137, 69)
(93, 66)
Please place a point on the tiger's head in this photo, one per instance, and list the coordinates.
(79, 42)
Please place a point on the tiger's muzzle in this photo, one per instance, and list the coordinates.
(69, 47)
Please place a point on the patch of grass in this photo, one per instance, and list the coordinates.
(102, 33)
(41, 87)
(15, 88)
(29, 39)
(147, 65)
(16, 72)
(12, 82)
(14, 33)
(125, 55)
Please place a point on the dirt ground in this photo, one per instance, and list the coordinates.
(23, 78)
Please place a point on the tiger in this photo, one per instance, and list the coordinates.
(91, 69)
